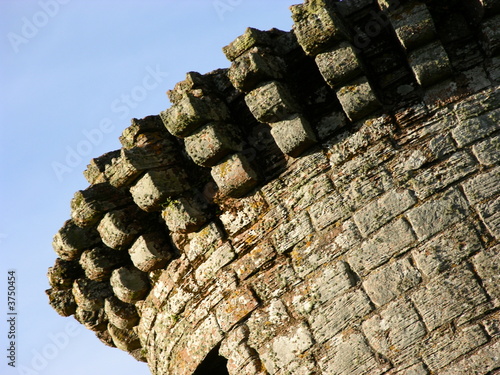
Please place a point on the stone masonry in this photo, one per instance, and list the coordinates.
(329, 204)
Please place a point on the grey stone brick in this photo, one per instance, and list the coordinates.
(120, 314)
(290, 233)
(339, 65)
(472, 129)
(447, 249)
(443, 174)
(251, 262)
(129, 284)
(293, 135)
(70, 241)
(218, 259)
(234, 176)
(350, 354)
(329, 281)
(246, 211)
(90, 295)
(204, 241)
(490, 214)
(329, 319)
(487, 266)
(358, 99)
(488, 151)
(328, 210)
(413, 25)
(438, 213)
(430, 64)
(275, 281)
(381, 210)
(390, 281)
(444, 347)
(483, 186)
(235, 307)
(99, 262)
(120, 228)
(266, 322)
(396, 331)
(124, 339)
(381, 247)
(150, 252)
(491, 35)
(271, 102)
(481, 361)
(252, 37)
(456, 292)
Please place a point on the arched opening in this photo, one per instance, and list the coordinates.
(213, 364)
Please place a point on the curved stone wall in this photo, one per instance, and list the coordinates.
(330, 204)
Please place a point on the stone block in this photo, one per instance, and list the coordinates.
(395, 332)
(293, 135)
(251, 38)
(290, 233)
(316, 26)
(140, 127)
(99, 262)
(184, 117)
(350, 354)
(487, 266)
(441, 175)
(89, 206)
(156, 186)
(129, 284)
(482, 186)
(413, 25)
(184, 215)
(286, 347)
(251, 262)
(150, 252)
(119, 228)
(381, 247)
(95, 170)
(180, 296)
(329, 319)
(482, 361)
(492, 324)
(382, 209)
(124, 339)
(357, 99)
(93, 320)
(488, 151)
(204, 241)
(330, 281)
(339, 65)
(234, 176)
(236, 307)
(430, 64)
(391, 281)
(63, 273)
(215, 261)
(491, 35)
(470, 130)
(62, 301)
(274, 282)
(242, 212)
(122, 315)
(90, 295)
(271, 102)
(328, 211)
(210, 143)
(438, 214)
(70, 241)
(447, 249)
(456, 292)
(490, 214)
(254, 67)
(265, 323)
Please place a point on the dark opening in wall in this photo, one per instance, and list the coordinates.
(213, 364)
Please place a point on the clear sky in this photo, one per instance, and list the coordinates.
(72, 75)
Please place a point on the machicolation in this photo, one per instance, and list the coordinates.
(329, 204)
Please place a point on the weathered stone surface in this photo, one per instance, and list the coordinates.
(139, 128)
(150, 252)
(124, 339)
(129, 284)
(70, 241)
(329, 281)
(430, 64)
(62, 301)
(99, 262)
(212, 142)
(184, 215)
(251, 38)
(491, 35)
(271, 102)
(472, 129)
(456, 292)
(218, 259)
(481, 361)
(293, 136)
(488, 151)
(94, 320)
(122, 315)
(157, 186)
(439, 213)
(90, 295)
(487, 265)
(328, 210)
(238, 305)
(381, 210)
(204, 241)
(243, 212)
(63, 273)
(358, 99)
(292, 232)
(234, 176)
(119, 228)
(275, 281)
(252, 261)
(339, 65)
(390, 281)
(490, 214)
(413, 25)
(94, 173)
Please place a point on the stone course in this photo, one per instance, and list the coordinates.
(328, 204)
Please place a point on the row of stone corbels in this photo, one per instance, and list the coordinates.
(259, 70)
(203, 120)
(322, 34)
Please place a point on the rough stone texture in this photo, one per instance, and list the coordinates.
(372, 251)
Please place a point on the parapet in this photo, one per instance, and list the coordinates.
(329, 204)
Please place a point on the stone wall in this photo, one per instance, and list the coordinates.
(330, 204)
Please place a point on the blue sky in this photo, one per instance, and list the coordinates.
(72, 75)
